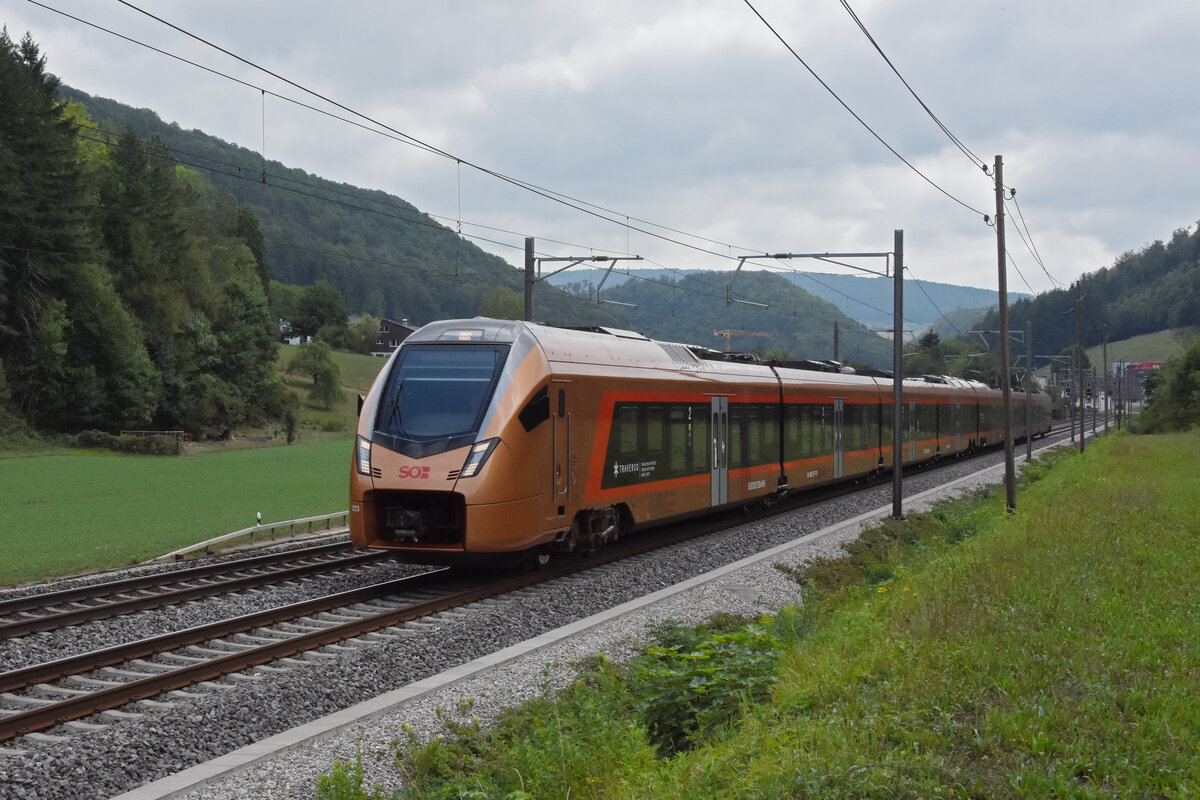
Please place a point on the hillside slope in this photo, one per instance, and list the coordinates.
(380, 252)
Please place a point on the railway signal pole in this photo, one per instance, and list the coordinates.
(897, 340)
(533, 264)
(898, 379)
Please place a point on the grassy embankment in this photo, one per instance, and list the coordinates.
(70, 511)
(961, 653)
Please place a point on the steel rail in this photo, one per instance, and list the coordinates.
(14, 605)
(114, 608)
(113, 697)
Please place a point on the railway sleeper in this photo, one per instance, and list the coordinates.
(91, 683)
(17, 701)
(125, 675)
(82, 726)
(59, 692)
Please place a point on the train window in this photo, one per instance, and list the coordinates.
(654, 429)
(737, 435)
(625, 423)
(678, 431)
(437, 394)
(852, 427)
(562, 402)
(754, 434)
(791, 431)
(826, 418)
(536, 411)
(769, 447)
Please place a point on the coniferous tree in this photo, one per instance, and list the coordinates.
(72, 354)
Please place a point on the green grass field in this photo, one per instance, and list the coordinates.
(357, 372)
(80, 511)
(65, 512)
(1161, 346)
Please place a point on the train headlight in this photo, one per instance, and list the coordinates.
(477, 457)
(362, 456)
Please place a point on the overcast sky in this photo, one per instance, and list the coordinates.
(694, 116)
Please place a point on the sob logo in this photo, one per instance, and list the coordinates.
(413, 472)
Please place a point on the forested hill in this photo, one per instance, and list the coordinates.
(691, 308)
(1154, 289)
(381, 253)
(866, 299)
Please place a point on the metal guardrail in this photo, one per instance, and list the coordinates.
(307, 523)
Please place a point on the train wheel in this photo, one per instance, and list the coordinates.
(540, 559)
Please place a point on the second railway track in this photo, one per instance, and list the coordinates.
(59, 609)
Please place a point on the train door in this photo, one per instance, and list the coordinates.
(839, 449)
(957, 426)
(562, 450)
(720, 450)
(914, 430)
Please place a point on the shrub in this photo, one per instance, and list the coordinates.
(685, 692)
(138, 445)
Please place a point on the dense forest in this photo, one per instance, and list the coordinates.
(1154, 289)
(132, 294)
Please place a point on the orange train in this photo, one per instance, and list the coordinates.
(489, 442)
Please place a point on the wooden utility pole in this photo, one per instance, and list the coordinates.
(1010, 469)
(836, 341)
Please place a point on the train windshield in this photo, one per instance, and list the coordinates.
(436, 396)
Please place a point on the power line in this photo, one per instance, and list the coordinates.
(976, 160)
(854, 114)
(941, 314)
(387, 131)
(1027, 237)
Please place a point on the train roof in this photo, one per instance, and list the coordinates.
(604, 345)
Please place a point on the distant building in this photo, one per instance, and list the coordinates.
(391, 334)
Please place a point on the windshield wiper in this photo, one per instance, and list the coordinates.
(395, 426)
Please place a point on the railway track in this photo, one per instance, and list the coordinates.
(94, 686)
(53, 610)
(61, 692)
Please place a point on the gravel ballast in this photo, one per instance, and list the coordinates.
(250, 708)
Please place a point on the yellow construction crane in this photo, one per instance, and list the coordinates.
(729, 334)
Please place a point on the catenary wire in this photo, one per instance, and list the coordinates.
(976, 160)
(854, 114)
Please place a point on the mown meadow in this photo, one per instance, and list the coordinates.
(79, 511)
(65, 511)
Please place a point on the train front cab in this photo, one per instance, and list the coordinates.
(448, 443)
